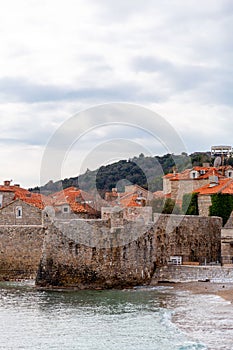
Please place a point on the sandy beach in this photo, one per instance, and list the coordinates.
(224, 290)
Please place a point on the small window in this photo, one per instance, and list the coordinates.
(66, 210)
(19, 212)
(230, 174)
(1, 200)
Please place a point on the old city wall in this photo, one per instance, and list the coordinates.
(20, 251)
(92, 254)
(117, 215)
(194, 238)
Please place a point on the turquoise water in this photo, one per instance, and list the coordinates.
(143, 318)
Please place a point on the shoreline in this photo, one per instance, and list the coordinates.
(224, 290)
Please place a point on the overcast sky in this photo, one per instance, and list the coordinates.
(61, 57)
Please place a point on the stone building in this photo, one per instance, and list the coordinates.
(19, 212)
(18, 206)
(133, 196)
(177, 184)
(22, 231)
(72, 203)
(216, 186)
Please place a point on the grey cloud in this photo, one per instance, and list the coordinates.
(15, 90)
(10, 141)
(27, 134)
(179, 77)
(151, 64)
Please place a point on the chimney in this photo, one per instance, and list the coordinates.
(213, 180)
(7, 183)
(17, 185)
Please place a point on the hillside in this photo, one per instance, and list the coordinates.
(142, 170)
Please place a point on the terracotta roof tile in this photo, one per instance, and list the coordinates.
(36, 199)
(185, 175)
(130, 200)
(219, 188)
(228, 189)
(75, 198)
(168, 176)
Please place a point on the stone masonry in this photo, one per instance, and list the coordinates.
(20, 251)
(31, 215)
(215, 274)
(92, 254)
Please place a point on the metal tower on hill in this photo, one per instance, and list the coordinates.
(220, 153)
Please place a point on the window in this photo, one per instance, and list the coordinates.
(229, 173)
(194, 174)
(66, 209)
(1, 200)
(176, 260)
(19, 212)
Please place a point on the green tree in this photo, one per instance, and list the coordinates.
(190, 204)
(222, 205)
(170, 207)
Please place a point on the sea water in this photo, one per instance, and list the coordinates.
(138, 319)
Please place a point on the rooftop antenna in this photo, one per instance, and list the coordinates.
(217, 162)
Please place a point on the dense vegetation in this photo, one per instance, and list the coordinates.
(222, 205)
(165, 206)
(190, 204)
(142, 170)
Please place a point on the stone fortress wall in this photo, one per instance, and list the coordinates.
(115, 252)
(101, 256)
(20, 251)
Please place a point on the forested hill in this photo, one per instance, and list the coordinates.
(142, 170)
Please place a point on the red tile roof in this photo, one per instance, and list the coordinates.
(168, 176)
(185, 175)
(223, 186)
(78, 200)
(36, 199)
(228, 189)
(130, 200)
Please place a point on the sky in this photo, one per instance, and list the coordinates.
(61, 58)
